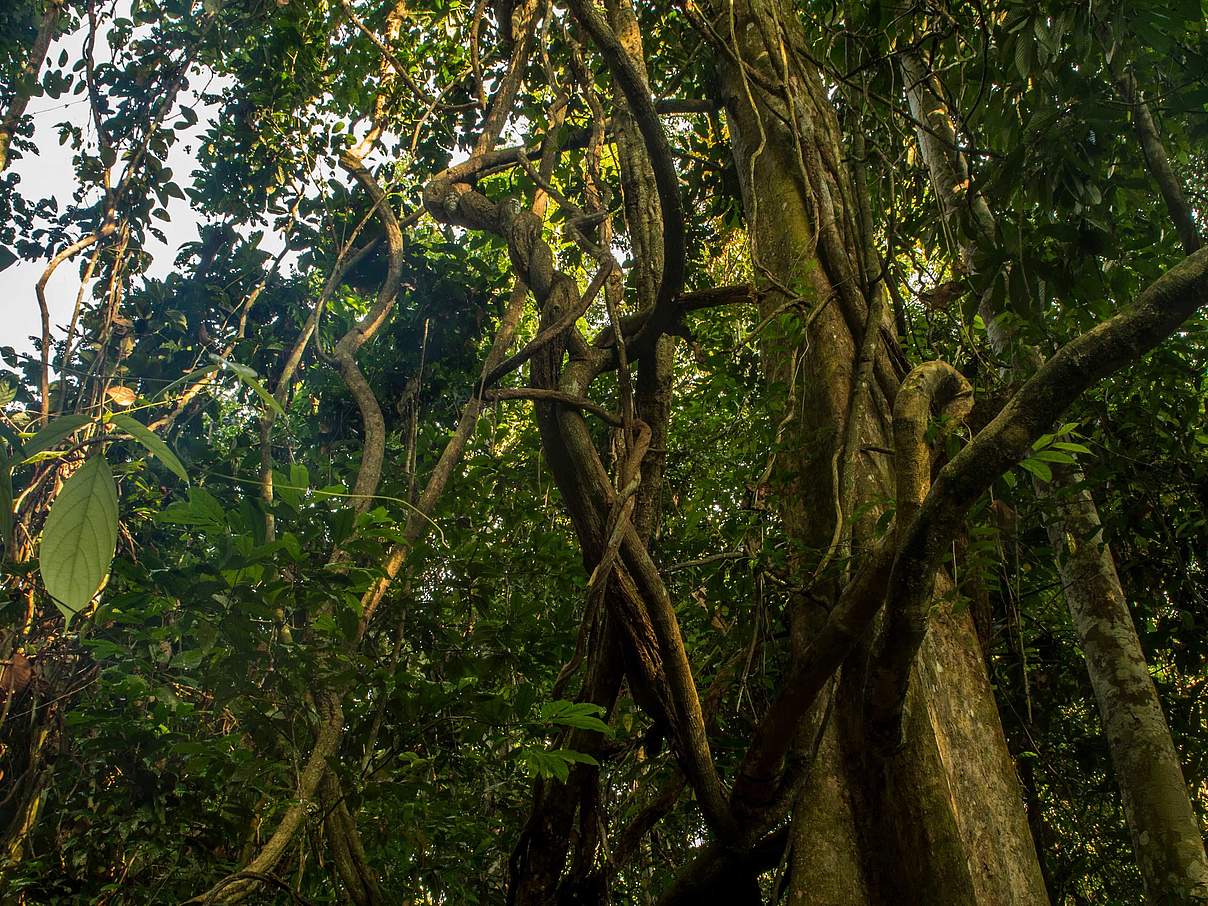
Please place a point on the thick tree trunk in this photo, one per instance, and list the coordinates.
(941, 821)
(1165, 831)
(824, 844)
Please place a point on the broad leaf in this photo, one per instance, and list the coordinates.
(184, 379)
(202, 508)
(152, 442)
(1040, 469)
(580, 715)
(249, 377)
(55, 431)
(80, 537)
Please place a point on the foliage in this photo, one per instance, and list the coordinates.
(182, 621)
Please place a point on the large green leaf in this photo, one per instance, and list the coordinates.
(80, 537)
(581, 715)
(152, 442)
(56, 430)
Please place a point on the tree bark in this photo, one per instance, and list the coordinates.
(1165, 831)
(949, 825)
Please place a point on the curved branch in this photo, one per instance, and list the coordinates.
(581, 477)
(1078, 365)
(40, 291)
(906, 577)
(554, 396)
(931, 389)
(641, 105)
(373, 450)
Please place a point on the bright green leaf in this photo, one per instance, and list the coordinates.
(187, 378)
(55, 431)
(1037, 468)
(152, 442)
(1054, 456)
(576, 757)
(249, 377)
(1072, 447)
(80, 537)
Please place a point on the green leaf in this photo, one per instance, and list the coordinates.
(80, 537)
(1073, 447)
(185, 379)
(580, 715)
(270, 402)
(545, 764)
(1024, 54)
(202, 508)
(152, 442)
(1054, 456)
(14, 442)
(55, 431)
(1037, 468)
(249, 377)
(577, 757)
(299, 475)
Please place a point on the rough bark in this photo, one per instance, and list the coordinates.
(1166, 834)
(807, 254)
(1165, 831)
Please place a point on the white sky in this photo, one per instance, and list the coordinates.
(49, 173)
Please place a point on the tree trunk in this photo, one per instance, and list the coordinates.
(1165, 831)
(941, 821)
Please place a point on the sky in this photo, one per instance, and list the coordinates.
(49, 173)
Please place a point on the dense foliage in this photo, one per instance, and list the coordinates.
(197, 415)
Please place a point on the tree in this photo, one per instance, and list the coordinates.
(752, 606)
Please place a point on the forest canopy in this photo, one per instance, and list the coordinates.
(604, 452)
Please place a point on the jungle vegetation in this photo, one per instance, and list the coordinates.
(605, 452)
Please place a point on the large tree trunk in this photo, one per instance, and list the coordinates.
(942, 820)
(1165, 831)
